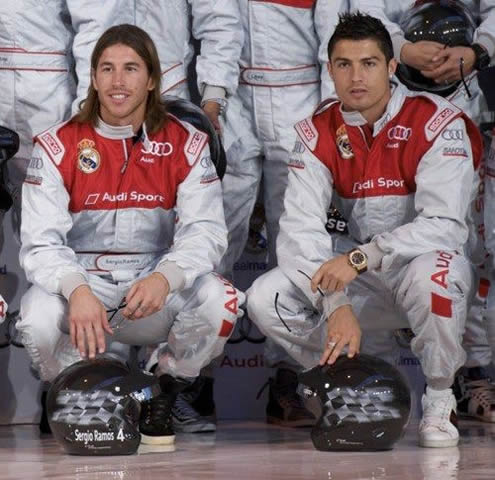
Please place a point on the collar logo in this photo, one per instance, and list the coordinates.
(88, 157)
(343, 143)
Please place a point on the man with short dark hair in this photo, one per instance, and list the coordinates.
(442, 45)
(124, 213)
(379, 155)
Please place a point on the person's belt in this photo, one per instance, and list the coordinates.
(283, 77)
(102, 263)
(172, 75)
(20, 59)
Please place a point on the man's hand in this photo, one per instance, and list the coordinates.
(212, 110)
(449, 71)
(87, 322)
(333, 275)
(343, 329)
(146, 296)
(423, 55)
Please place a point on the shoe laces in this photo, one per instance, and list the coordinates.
(183, 409)
(437, 413)
(158, 409)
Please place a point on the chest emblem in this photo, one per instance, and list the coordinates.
(343, 143)
(88, 158)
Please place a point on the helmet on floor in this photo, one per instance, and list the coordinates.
(189, 112)
(448, 22)
(93, 407)
(365, 404)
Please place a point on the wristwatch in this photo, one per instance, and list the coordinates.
(358, 260)
(482, 58)
(222, 102)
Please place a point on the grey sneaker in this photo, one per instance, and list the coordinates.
(186, 419)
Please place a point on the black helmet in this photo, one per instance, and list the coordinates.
(93, 407)
(444, 21)
(365, 404)
(191, 113)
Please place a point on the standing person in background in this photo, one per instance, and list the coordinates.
(44, 66)
(283, 79)
(42, 45)
(172, 25)
(448, 65)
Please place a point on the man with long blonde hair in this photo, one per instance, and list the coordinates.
(124, 214)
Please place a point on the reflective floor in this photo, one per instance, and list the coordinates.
(251, 451)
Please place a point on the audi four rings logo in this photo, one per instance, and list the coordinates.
(453, 135)
(157, 148)
(399, 133)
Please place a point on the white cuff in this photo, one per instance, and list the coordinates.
(174, 274)
(374, 254)
(70, 282)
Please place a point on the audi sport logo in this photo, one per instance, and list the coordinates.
(159, 149)
(399, 133)
(453, 134)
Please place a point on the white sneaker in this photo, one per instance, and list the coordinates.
(437, 428)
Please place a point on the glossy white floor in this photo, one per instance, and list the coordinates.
(252, 451)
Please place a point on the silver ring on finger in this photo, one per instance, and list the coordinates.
(331, 344)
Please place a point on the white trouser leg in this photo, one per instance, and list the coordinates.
(41, 316)
(475, 340)
(242, 178)
(304, 332)
(203, 319)
(434, 291)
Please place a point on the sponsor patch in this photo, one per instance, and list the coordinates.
(209, 174)
(133, 196)
(343, 143)
(307, 130)
(295, 158)
(33, 180)
(453, 134)
(36, 163)
(400, 133)
(455, 152)
(160, 149)
(51, 143)
(195, 143)
(439, 120)
(88, 158)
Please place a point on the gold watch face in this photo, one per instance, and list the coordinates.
(358, 259)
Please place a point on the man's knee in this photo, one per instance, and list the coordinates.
(220, 303)
(262, 299)
(41, 314)
(438, 279)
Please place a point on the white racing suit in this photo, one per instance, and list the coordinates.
(41, 44)
(283, 78)
(396, 192)
(104, 208)
(170, 23)
(490, 237)
(390, 13)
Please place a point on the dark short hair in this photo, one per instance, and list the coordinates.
(360, 26)
(137, 39)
